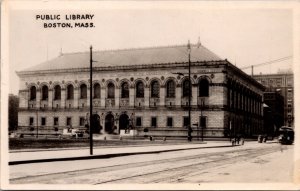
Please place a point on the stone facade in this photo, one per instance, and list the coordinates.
(144, 96)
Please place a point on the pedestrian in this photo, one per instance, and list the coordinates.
(238, 139)
(190, 130)
(242, 141)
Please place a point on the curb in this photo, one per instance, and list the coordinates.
(104, 156)
(96, 147)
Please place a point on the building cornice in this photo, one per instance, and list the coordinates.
(245, 76)
(273, 75)
(121, 68)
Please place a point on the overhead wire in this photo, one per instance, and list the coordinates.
(269, 62)
(255, 65)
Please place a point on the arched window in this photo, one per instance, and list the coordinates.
(125, 90)
(140, 90)
(70, 92)
(57, 92)
(44, 92)
(33, 93)
(155, 89)
(83, 91)
(110, 90)
(170, 86)
(96, 90)
(203, 88)
(186, 88)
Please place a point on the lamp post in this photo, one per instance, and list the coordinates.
(91, 100)
(201, 122)
(37, 123)
(190, 83)
(197, 125)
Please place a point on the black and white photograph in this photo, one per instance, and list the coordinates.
(137, 95)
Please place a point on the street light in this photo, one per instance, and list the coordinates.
(91, 100)
(197, 125)
(190, 82)
(201, 121)
(37, 123)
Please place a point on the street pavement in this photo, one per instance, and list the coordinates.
(251, 163)
(48, 155)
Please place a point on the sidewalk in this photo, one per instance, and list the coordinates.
(34, 156)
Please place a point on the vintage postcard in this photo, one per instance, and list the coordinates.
(150, 95)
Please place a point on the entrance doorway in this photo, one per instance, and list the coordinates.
(123, 122)
(109, 123)
(96, 127)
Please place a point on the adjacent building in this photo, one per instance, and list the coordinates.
(281, 83)
(141, 89)
(273, 113)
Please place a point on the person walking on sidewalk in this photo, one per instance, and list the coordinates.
(190, 130)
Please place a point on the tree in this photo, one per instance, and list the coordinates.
(13, 107)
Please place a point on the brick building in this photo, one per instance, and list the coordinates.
(139, 89)
(282, 83)
(273, 112)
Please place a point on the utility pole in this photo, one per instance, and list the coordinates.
(190, 83)
(37, 123)
(91, 100)
(201, 123)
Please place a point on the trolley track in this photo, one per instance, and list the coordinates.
(180, 174)
(185, 166)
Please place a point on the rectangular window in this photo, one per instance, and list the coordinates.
(43, 123)
(186, 121)
(278, 82)
(202, 121)
(31, 121)
(69, 121)
(154, 122)
(81, 121)
(138, 121)
(289, 81)
(55, 121)
(169, 121)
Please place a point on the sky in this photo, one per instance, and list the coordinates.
(244, 36)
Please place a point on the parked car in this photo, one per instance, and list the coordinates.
(286, 135)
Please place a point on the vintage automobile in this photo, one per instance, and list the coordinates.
(73, 133)
(286, 135)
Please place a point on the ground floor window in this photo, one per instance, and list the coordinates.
(31, 121)
(154, 122)
(203, 121)
(43, 123)
(81, 121)
(169, 121)
(138, 122)
(186, 121)
(55, 121)
(69, 121)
